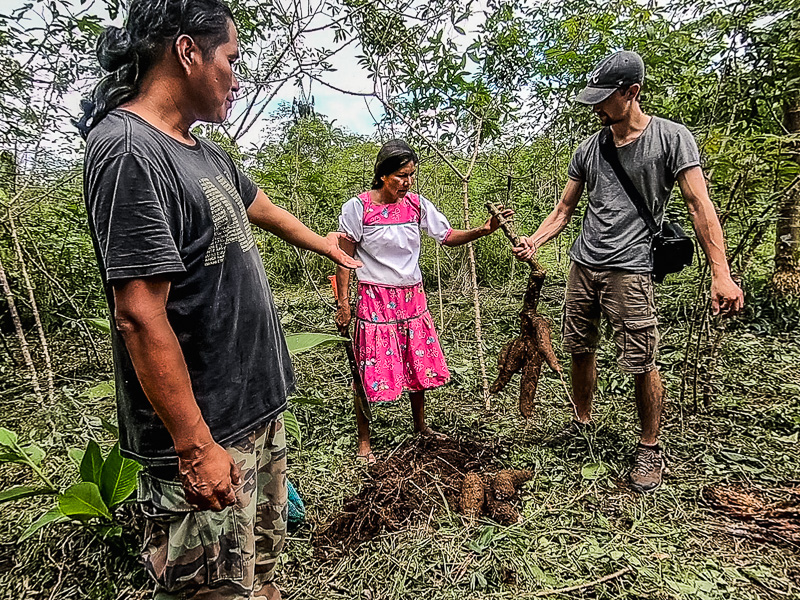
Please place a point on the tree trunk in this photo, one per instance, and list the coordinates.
(23, 342)
(8, 173)
(34, 309)
(786, 278)
(476, 302)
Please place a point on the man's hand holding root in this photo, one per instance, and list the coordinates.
(208, 474)
(526, 249)
(727, 298)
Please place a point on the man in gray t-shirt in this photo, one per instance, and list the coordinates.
(612, 263)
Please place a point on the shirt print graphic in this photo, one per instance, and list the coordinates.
(229, 227)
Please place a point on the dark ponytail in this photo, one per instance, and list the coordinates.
(128, 53)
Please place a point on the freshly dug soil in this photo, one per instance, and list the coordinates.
(410, 482)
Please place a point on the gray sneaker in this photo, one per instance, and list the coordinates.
(648, 468)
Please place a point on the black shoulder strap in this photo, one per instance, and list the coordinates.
(609, 151)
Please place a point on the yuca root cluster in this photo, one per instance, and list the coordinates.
(416, 479)
(529, 350)
(492, 495)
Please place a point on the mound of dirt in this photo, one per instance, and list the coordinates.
(415, 479)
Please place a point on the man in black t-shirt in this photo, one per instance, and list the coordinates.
(201, 365)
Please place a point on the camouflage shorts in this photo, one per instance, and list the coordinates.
(226, 554)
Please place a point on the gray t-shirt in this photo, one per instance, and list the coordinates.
(158, 207)
(613, 235)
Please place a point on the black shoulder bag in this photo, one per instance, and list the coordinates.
(671, 248)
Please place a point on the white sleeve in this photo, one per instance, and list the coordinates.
(351, 219)
(432, 221)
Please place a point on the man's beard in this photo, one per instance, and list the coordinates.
(607, 121)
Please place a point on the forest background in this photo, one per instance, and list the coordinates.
(485, 92)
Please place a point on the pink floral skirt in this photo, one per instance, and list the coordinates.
(396, 343)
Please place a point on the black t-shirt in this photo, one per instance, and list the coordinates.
(160, 207)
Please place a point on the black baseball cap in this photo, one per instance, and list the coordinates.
(621, 69)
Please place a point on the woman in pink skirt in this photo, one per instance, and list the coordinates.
(395, 342)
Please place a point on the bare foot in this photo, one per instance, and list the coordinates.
(269, 591)
(431, 433)
(368, 458)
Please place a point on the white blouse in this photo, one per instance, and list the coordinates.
(387, 236)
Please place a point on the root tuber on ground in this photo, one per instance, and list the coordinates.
(472, 496)
(507, 481)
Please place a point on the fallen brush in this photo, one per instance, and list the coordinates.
(758, 519)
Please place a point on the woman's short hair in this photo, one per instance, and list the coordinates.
(127, 53)
(393, 155)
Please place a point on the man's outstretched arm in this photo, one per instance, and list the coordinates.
(555, 222)
(285, 225)
(726, 296)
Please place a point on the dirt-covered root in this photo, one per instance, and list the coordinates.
(529, 350)
(497, 492)
(510, 361)
(472, 496)
(529, 384)
(544, 344)
(501, 511)
(533, 290)
(506, 482)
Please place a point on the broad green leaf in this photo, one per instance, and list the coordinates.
(8, 439)
(104, 389)
(83, 501)
(23, 491)
(292, 426)
(76, 456)
(34, 453)
(110, 427)
(100, 324)
(118, 477)
(301, 342)
(92, 463)
(593, 470)
(10, 450)
(54, 515)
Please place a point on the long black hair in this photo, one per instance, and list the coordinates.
(393, 155)
(127, 53)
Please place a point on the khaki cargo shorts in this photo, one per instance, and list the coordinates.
(223, 555)
(626, 299)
